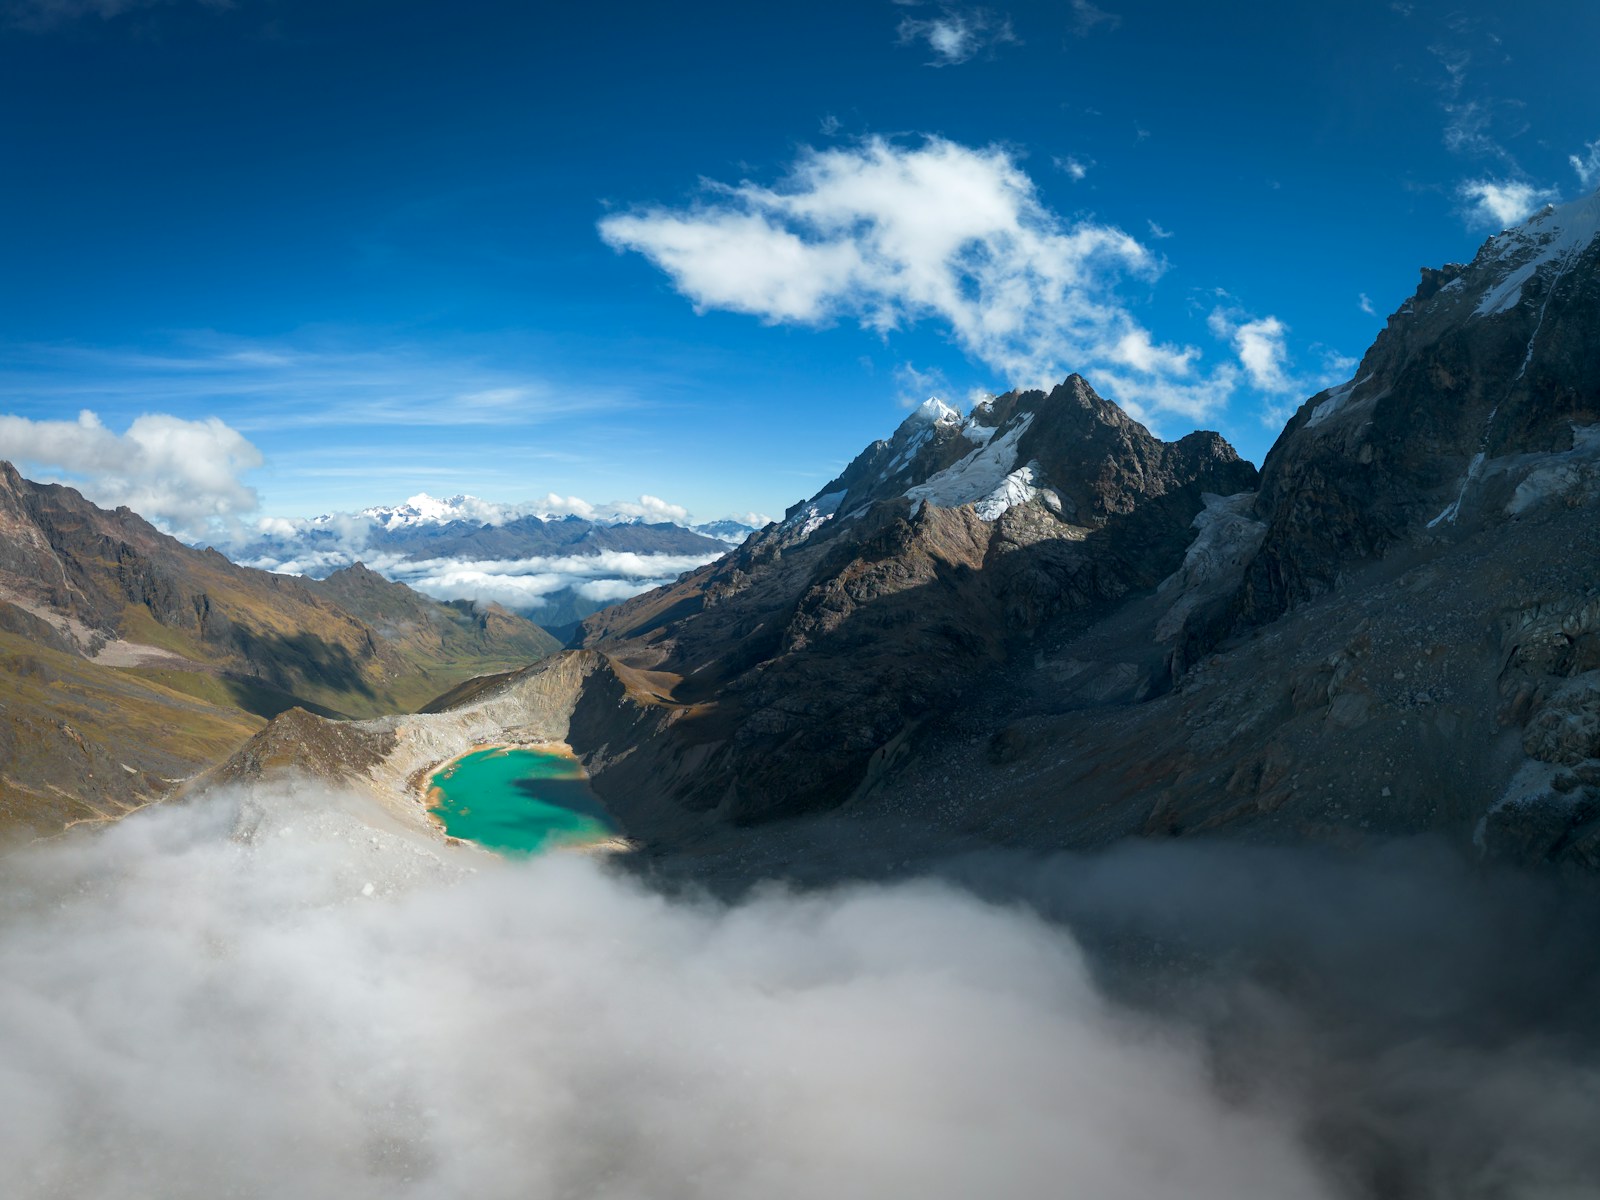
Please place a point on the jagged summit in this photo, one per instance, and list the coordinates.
(1486, 378)
(888, 592)
(1078, 453)
(932, 411)
(1554, 237)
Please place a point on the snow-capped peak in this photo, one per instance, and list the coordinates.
(423, 509)
(1556, 233)
(934, 411)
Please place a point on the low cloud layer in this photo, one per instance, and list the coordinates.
(285, 995)
(606, 577)
(183, 474)
(517, 583)
(890, 235)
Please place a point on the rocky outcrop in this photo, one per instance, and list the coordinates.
(797, 659)
(1487, 364)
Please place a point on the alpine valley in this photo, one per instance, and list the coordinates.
(1031, 625)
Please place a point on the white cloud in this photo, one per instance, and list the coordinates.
(1135, 349)
(956, 35)
(1086, 18)
(1075, 168)
(1501, 203)
(913, 386)
(516, 582)
(1147, 396)
(1364, 302)
(892, 235)
(1261, 344)
(608, 591)
(1263, 354)
(304, 383)
(1587, 165)
(179, 473)
(525, 583)
(286, 993)
(283, 993)
(651, 509)
(1157, 231)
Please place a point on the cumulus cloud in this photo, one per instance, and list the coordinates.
(1260, 345)
(892, 235)
(1587, 164)
(1263, 354)
(957, 34)
(176, 472)
(284, 993)
(1501, 203)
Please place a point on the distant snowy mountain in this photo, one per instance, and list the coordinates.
(556, 560)
(730, 530)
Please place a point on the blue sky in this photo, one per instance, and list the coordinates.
(301, 255)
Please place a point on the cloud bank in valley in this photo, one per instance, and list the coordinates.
(286, 993)
(519, 583)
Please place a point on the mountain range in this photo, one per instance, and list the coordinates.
(129, 660)
(555, 567)
(1038, 624)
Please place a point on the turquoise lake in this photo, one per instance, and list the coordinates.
(518, 802)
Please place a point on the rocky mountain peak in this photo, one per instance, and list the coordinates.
(932, 411)
(1484, 379)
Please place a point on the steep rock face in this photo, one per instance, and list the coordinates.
(799, 659)
(1486, 363)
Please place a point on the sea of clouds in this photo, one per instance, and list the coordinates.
(282, 994)
(524, 584)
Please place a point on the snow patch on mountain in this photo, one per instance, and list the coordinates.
(983, 475)
(1337, 398)
(423, 509)
(1016, 488)
(1559, 474)
(1555, 234)
(934, 411)
(980, 434)
(1227, 536)
(814, 514)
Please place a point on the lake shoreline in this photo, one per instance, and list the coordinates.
(513, 835)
